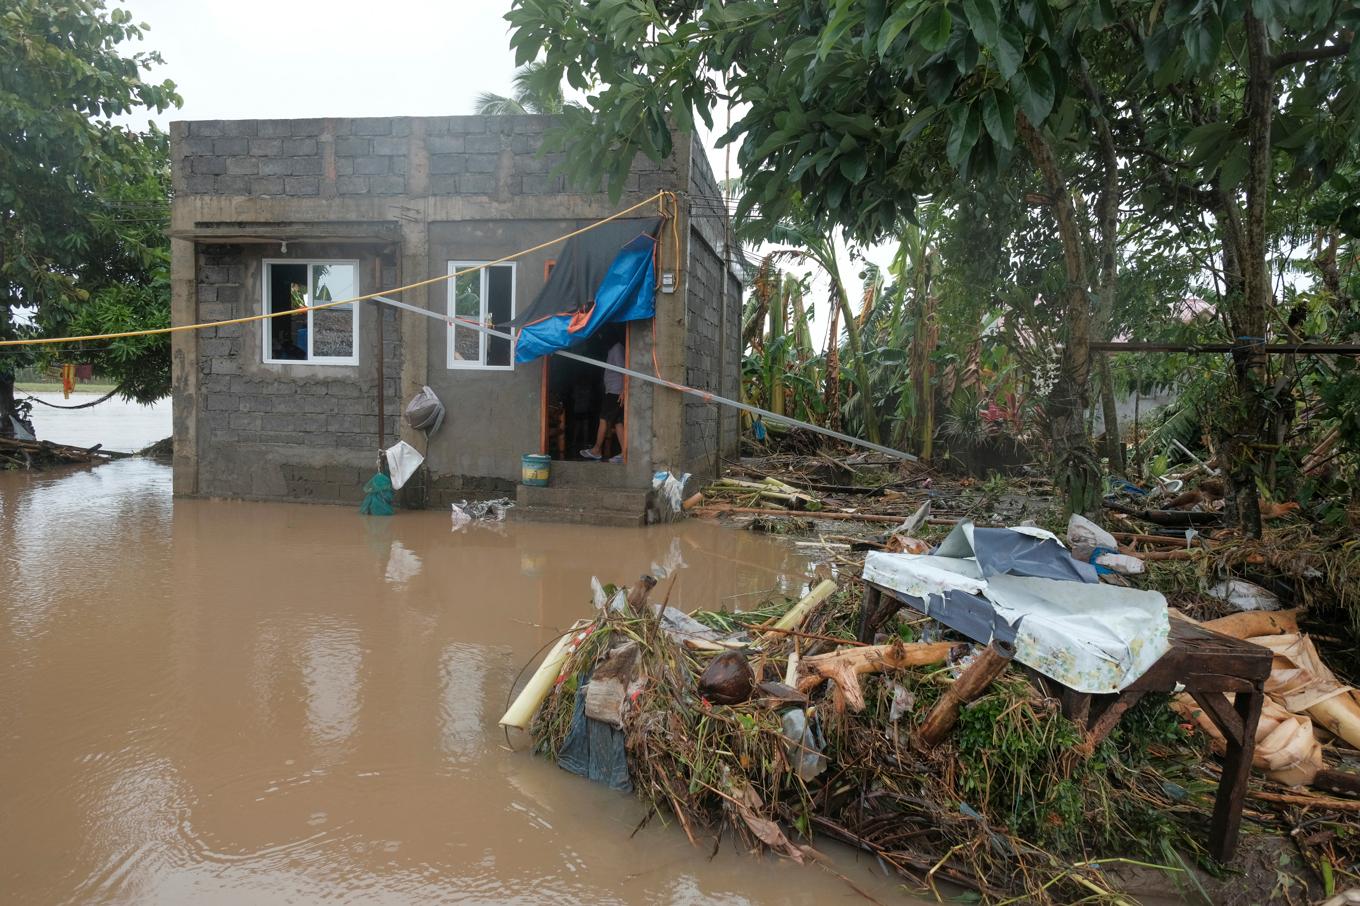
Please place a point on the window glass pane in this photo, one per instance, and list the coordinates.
(499, 308)
(467, 303)
(287, 286)
(334, 327)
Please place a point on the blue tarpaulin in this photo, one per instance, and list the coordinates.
(627, 293)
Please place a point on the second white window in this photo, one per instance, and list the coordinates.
(484, 296)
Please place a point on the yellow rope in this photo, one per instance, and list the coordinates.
(659, 196)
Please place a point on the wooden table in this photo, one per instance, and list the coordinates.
(1209, 665)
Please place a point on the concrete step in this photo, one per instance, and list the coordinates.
(628, 501)
(576, 516)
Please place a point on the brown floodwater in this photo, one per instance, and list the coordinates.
(224, 702)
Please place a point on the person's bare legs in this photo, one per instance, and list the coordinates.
(596, 452)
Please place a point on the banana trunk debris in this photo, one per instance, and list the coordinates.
(845, 667)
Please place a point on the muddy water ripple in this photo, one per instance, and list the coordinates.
(221, 702)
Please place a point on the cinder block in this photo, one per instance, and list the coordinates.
(275, 166)
(468, 124)
(232, 185)
(243, 166)
(201, 185)
(482, 163)
(444, 185)
(370, 166)
(266, 147)
(207, 128)
(266, 185)
(387, 185)
(483, 144)
(390, 145)
(207, 166)
(352, 146)
(193, 146)
(229, 146)
(351, 185)
(240, 127)
(443, 164)
(476, 184)
(302, 185)
(299, 147)
(534, 184)
(343, 389)
(373, 125)
(444, 144)
(273, 128)
(306, 166)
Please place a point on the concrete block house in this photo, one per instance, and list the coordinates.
(275, 214)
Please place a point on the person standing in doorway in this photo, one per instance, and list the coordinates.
(611, 410)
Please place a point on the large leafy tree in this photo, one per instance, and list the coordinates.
(854, 109)
(82, 200)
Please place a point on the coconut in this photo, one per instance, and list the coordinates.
(727, 679)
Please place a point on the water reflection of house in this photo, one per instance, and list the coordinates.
(274, 215)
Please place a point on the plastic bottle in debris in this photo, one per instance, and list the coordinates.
(805, 743)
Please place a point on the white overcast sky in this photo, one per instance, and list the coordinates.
(307, 58)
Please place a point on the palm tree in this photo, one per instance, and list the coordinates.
(538, 89)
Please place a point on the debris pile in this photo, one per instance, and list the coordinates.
(20, 453)
(773, 731)
(946, 756)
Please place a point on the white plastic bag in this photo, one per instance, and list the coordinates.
(1244, 595)
(667, 501)
(402, 462)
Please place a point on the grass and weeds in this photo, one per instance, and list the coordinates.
(1006, 807)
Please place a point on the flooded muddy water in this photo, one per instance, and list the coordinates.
(119, 425)
(218, 702)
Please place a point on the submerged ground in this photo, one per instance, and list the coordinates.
(219, 702)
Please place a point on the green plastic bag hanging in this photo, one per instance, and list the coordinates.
(377, 496)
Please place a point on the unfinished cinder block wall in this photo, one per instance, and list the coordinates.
(713, 328)
(404, 197)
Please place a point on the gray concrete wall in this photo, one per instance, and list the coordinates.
(294, 430)
(713, 328)
(405, 196)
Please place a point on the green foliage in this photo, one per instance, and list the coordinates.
(537, 90)
(1017, 765)
(1016, 124)
(83, 205)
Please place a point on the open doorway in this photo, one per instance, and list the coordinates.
(578, 396)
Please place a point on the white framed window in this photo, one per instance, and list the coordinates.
(326, 337)
(486, 296)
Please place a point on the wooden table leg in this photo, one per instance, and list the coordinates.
(868, 612)
(1232, 788)
(1076, 706)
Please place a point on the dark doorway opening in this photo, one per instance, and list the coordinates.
(575, 399)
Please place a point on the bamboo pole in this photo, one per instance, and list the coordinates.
(798, 612)
(818, 514)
